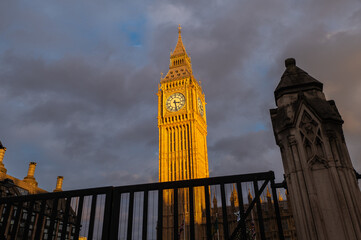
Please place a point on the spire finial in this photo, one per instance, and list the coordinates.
(280, 198)
(249, 193)
(179, 29)
(290, 62)
(268, 193)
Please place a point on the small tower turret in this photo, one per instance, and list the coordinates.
(250, 197)
(30, 179)
(2, 153)
(280, 198)
(234, 198)
(268, 195)
(59, 184)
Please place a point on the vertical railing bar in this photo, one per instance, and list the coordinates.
(277, 210)
(65, 218)
(224, 212)
(145, 216)
(92, 216)
(114, 224)
(53, 215)
(259, 210)
(191, 213)
(130, 216)
(160, 215)
(241, 210)
(17, 220)
(111, 214)
(39, 227)
(107, 214)
(175, 215)
(28, 219)
(6, 220)
(208, 212)
(251, 205)
(2, 206)
(78, 217)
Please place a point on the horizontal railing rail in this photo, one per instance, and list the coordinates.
(163, 210)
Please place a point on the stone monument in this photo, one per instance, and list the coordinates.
(322, 185)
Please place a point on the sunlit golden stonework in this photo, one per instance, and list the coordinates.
(182, 131)
(181, 121)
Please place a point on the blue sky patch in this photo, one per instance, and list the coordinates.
(134, 30)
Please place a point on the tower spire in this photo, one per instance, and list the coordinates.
(179, 48)
(180, 63)
(268, 193)
(2, 153)
(280, 198)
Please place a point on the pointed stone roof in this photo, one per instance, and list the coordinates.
(214, 201)
(179, 48)
(268, 194)
(180, 63)
(280, 198)
(249, 194)
(294, 79)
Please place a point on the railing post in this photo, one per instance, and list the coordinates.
(6, 221)
(92, 216)
(78, 217)
(54, 213)
(241, 211)
(17, 218)
(111, 214)
(277, 210)
(191, 213)
(224, 212)
(160, 215)
(208, 212)
(130, 216)
(145, 216)
(66, 218)
(28, 219)
(259, 210)
(175, 215)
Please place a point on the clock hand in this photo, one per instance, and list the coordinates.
(175, 103)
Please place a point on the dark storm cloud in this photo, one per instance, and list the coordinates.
(65, 98)
(78, 81)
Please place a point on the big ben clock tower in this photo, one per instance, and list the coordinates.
(182, 125)
(181, 121)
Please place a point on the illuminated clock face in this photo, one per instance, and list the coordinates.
(175, 102)
(200, 107)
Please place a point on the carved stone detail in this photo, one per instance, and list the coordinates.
(316, 160)
(331, 134)
(292, 140)
(308, 126)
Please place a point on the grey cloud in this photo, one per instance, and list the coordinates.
(74, 88)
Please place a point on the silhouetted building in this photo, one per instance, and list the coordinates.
(26, 211)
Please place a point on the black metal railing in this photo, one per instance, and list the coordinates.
(145, 212)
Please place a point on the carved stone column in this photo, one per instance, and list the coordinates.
(323, 189)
